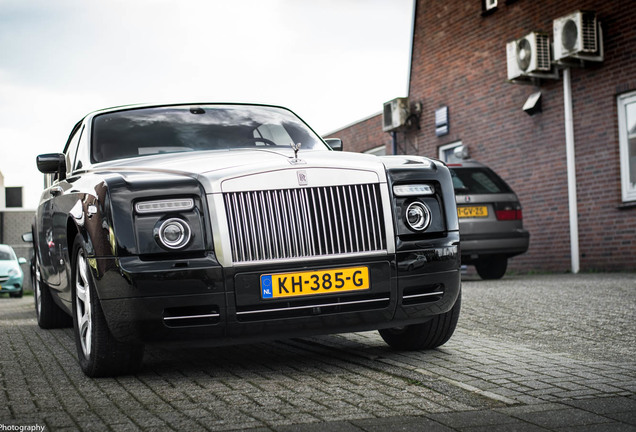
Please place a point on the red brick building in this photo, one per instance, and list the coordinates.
(459, 61)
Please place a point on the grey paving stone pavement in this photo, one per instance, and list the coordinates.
(531, 353)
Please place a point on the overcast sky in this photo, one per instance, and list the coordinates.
(333, 62)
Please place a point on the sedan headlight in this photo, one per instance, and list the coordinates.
(417, 216)
(13, 272)
(169, 225)
(173, 233)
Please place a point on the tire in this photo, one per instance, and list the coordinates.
(428, 335)
(492, 267)
(99, 353)
(17, 294)
(48, 314)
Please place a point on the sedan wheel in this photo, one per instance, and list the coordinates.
(99, 353)
(431, 334)
(83, 304)
(49, 315)
(492, 267)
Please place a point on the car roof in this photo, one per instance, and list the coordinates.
(176, 104)
(5, 247)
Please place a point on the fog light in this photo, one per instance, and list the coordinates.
(418, 216)
(173, 233)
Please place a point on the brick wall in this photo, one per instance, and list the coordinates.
(459, 61)
(363, 135)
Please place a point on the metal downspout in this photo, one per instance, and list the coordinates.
(571, 170)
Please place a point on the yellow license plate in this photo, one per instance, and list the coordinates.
(314, 282)
(472, 211)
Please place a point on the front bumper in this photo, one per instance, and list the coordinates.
(11, 284)
(198, 302)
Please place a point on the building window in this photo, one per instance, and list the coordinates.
(13, 197)
(377, 151)
(447, 152)
(627, 143)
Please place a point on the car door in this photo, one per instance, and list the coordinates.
(52, 218)
(46, 245)
(64, 200)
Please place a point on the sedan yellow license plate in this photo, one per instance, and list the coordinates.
(472, 211)
(314, 282)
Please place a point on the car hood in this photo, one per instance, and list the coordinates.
(247, 169)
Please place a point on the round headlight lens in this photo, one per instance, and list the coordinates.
(173, 233)
(418, 216)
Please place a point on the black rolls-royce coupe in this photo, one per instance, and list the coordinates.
(215, 224)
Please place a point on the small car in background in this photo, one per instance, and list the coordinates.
(490, 219)
(11, 275)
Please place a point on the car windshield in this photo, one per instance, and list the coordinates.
(148, 131)
(477, 181)
(7, 255)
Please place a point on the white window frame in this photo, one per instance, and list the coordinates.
(377, 151)
(443, 151)
(628, 188)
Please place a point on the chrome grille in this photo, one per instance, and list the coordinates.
(308, 222)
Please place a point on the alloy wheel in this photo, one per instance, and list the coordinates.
(38, 292)
(83, 303)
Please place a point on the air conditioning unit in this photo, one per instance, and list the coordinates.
(395, 114)
(577, 36)
(529, 57)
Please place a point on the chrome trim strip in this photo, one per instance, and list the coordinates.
(315, 306)
(422, 295)
(314, 258)
(212, 315)
(388, 236)
(220, 229)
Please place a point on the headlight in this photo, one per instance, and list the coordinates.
(417, 216)
(173, 233)
(167, 205)
(13, 272)
(413, 190)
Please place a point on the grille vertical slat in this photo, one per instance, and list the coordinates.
(309, 222)
(375, 223)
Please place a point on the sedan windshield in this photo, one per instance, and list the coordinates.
(478, 181)
(148, 131)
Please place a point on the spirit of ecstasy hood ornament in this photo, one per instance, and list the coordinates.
(295, 160)
(295, 148)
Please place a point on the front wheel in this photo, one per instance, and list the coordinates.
(48, 314)
(99, 353)
(17, 294)
(431, 334)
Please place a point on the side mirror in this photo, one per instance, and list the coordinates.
(22, 260)
(334, 143)
(27, 237)
(50, 163)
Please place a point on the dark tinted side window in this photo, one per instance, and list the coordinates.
(478, 181)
